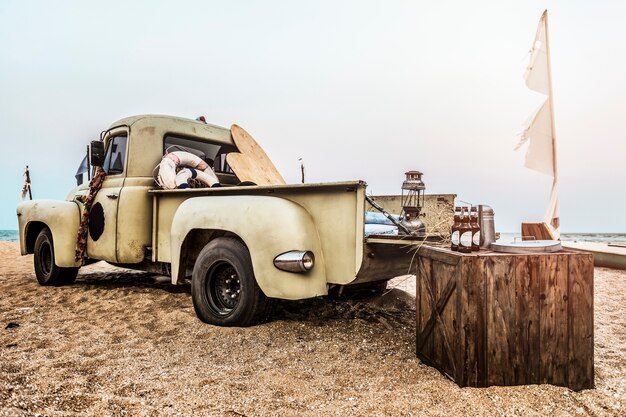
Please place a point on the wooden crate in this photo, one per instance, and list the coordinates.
(506, 319)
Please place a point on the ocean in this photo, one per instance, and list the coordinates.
(580, 237)
(11, 236)
(8, 236)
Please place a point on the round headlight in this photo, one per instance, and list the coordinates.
(308, 260)
(295, 261)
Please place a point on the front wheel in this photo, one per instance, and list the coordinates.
(223, 288)
(46, 270)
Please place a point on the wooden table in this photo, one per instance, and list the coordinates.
(506, 319)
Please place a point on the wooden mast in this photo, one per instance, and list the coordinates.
(555, 180)
(550, 101)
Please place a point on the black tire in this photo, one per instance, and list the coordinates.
(46, 270)
(223, 288)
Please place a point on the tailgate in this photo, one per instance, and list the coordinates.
(386, 257)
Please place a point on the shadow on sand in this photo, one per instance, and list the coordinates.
(393, 308)
(128, 280)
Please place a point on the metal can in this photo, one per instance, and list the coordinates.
(487, 226)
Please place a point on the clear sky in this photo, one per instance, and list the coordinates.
(358, 89)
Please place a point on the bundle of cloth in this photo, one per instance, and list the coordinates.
(179, 170)
(379, 224)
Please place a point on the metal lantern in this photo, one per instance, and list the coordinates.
(412, 202)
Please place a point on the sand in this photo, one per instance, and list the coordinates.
(120, 342)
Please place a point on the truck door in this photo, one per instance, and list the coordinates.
(101, 241)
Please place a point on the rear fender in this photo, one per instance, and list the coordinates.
(61, 217)
(268, 226)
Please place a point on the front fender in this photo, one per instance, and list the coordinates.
(61, 217)
(268, 226)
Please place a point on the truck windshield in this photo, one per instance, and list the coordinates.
(115, 155)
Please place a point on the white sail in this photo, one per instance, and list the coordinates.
(537, 74)
(539, 132)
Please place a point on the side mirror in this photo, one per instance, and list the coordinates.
(96, 153)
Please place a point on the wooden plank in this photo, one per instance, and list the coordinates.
(419, 323)
(478, 273)
(459, 352)
(468, 327)
(527, 360)
(500, 300)
(441, 255)
(437, 288)
(425, 345)
(431, 322)
(522, 275)
(580, 324)
(547, 331)
(252, 163)
(436, 307)
(472, 325)
(561, 296)
(448, 320)
(536, 231)
(444, 286)
(553, 270)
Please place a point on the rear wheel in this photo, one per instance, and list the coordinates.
(46, 270)
(223, 287)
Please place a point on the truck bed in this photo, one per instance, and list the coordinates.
(338, 211)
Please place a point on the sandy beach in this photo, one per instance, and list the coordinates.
(121, 342)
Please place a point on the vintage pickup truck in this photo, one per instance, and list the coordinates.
(240, 246)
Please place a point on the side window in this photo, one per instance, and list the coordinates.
(115, 155)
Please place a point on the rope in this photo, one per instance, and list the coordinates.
(81, 238)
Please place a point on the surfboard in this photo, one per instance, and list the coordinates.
(251, 163)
